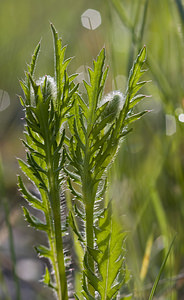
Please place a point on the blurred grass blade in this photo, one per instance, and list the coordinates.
(160, 272)
(143, 21)
(3, 285)
(10, 233)
(146, 258)
(180, 9)
(122, 14)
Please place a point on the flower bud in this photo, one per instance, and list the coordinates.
(48, 90)
(115, 104)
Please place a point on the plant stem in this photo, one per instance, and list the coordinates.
(90, 235)
(59, 258)
(89, 199)
(89, 231)
(54, 198)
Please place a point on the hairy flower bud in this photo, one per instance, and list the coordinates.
(48, 90)
(115, 104)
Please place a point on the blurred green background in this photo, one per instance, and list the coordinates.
(147, 178)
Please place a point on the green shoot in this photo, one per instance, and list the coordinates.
(97, 129)
(94, 130)
(46, 103)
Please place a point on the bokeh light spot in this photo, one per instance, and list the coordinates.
(4, 100)
(181, 118)
(170, 125)
(28, 269)
(91, 19)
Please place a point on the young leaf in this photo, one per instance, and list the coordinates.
(73, 225)
(97, 129)
(47, 279)
(34, 221)
(110, 257)
(47, 102)
(94, 88)
(34, 201)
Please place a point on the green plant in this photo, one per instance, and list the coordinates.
(75, 139)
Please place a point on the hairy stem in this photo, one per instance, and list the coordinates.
(89, 199)
(90, 234)
(54, 198)
(59, 256)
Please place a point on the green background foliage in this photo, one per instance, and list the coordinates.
(147, 181)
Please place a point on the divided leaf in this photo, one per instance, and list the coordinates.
(47, 279)
(96, 84)
(109, 257)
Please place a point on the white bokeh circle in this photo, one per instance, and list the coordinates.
(91, 19)
(4, 100)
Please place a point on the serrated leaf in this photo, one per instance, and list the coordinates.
(101, 192)
(36, 153)
(75, 193)
(100, 141)
(136, 88)
(60, 64)
(34, 221)
(34, 138)
(24, 87)
(83, 105)
(31, 68)
(135, 100)
(33, 126)
(60, 143)
(36, 169)
(26, 169)
(73, 225)
(94, 89)
(100, 110)
(110, 258)
(104, 77)
(32, 200)
(79, 213)
(93, 279)
(79, 141)
(135, 117)
(21, 101)
(73, 175)
(134, 76)
(135, 72)
(47, 279)
(43, 251)
(101, 125)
